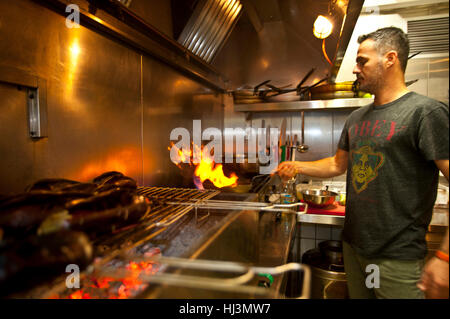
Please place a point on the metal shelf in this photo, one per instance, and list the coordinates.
(303, 105)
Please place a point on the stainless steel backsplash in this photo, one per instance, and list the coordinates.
(109, 107)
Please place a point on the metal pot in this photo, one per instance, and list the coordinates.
(331, 250)
(328, 284)
(328, 281)
(316, 197)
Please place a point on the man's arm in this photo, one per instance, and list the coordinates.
(435, 281)
(326, 167)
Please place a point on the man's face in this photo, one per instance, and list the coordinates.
(368, 68)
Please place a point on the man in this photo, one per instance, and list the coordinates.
(392, 150)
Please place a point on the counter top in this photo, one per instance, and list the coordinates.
(439, 218)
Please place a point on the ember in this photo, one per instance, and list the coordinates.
(116, 288)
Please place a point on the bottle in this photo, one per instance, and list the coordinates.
(272, 196)
(287, 194)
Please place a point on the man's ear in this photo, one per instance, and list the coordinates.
(390, 58)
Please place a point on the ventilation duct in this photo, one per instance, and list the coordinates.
(209, 26)
(428, 35)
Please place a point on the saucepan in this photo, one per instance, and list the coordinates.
(316, 197)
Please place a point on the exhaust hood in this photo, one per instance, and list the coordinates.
(209, 26)
(273, 40)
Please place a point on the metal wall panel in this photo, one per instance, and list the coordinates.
(98, 120)
(170, 101)
(156, 12)
(92, 97)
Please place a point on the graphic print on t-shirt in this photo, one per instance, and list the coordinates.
(365, 164)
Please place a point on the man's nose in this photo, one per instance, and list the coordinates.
(356, 69)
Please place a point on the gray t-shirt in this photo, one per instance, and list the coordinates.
(391, 176)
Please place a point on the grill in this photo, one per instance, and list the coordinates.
(129, 262)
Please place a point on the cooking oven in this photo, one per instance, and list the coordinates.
(187, 243)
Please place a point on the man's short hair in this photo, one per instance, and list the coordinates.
(390, 38)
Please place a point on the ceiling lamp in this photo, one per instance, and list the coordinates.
(322, 27)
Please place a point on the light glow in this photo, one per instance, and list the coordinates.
(322, 27)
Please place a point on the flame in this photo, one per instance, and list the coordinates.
(207, 169)
(122, 160)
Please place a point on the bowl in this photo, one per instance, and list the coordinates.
(317, 197)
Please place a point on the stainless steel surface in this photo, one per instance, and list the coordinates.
(353, 10)
(157, 13)
(109, 108)
(247, 237)
(119, 23)
(293, 208)
(274, 40)
(323, 128)
(327, 284)
(303, 105)
(171, 100)
(322, 219)
(236, 284)
(36, 95)
(316, 197)
(209, 25)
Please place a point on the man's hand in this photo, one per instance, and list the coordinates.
(323, 168)
(434, 282)
(287, 170)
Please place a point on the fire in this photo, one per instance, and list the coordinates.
(79, 295)
(123, 288)
(121, 160)
(207, 169)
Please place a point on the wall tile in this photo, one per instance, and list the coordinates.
(336, 232)
(307, 230)
(323, 232)
(306, 244)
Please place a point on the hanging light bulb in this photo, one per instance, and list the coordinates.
(322, 27)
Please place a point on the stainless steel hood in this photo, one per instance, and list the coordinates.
(273, 40)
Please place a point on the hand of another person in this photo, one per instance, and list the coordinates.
(434, 282)
(287, 170)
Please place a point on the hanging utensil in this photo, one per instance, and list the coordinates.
(303, 148)
(282, 141)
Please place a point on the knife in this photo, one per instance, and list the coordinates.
(282, 141)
